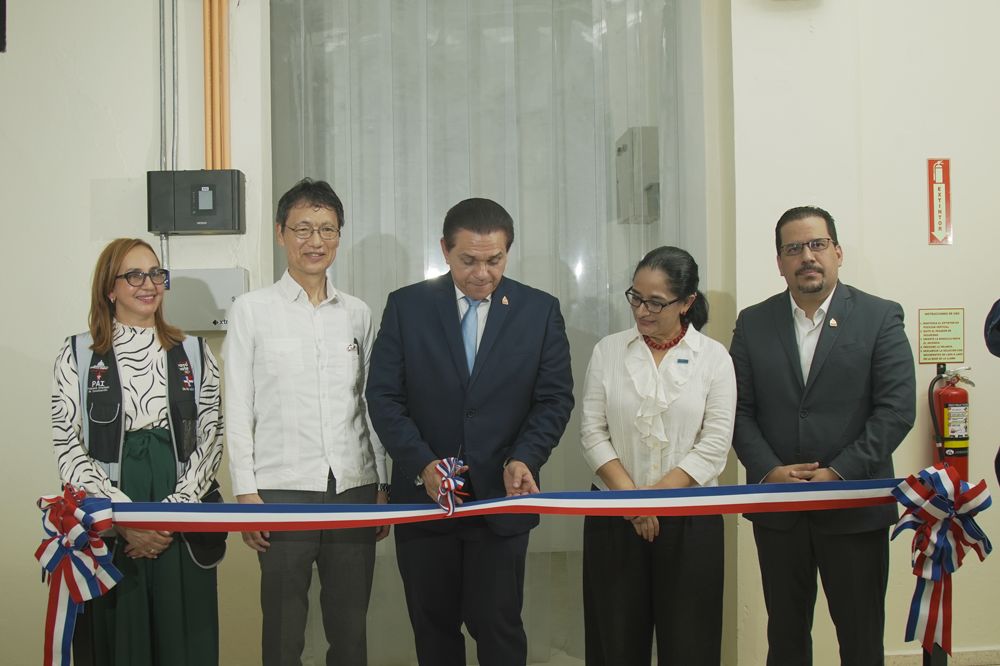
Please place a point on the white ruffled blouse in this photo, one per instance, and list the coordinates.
(655, 418)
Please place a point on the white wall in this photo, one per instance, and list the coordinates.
(839, 104)
(79, 127)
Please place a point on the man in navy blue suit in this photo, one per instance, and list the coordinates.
(476, 366)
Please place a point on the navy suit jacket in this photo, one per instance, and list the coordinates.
(425, 405)
(850, 413)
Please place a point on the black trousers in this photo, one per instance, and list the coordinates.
(672, 586)
(854, 569)
(466, 574)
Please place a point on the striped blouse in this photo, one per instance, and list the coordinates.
(142, 363)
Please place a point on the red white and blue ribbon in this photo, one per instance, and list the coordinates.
(77, 561)
(760, 498)
(942, 515)
(451, 483)
(940, 508)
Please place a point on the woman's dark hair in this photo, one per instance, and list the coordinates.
(310, 192)
(681, 272)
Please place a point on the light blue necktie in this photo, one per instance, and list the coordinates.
(470, 330)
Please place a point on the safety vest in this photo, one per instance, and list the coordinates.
(101, 402)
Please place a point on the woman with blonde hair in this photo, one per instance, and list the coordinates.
(136, 417)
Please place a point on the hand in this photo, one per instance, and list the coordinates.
(145, 543)
(382, 531)
(517, 479)
(647, 527)
(259, 541)
(796, 473)
(432, 480)
(825, 474)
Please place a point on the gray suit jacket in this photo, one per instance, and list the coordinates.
(850, 414)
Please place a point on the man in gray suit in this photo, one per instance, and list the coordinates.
(826, 392)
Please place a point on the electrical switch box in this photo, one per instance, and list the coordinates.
(637, 175)
(199, 299)
(196, 202)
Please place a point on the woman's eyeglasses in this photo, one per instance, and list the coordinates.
(137, 278)
(635, 300)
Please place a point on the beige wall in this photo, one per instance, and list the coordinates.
(79, 127)
(839, 104)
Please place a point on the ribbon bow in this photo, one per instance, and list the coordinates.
(451, 483)
(940, 508)
(77, 561)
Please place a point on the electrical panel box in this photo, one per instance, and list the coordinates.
(196, 202)
(199, 299)
(637, 172)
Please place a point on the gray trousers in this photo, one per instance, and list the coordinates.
(345, 560)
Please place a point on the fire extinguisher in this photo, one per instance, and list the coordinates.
(949, 405)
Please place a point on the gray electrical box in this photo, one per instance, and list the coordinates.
(637, 172)
(196, 202)
(199, 299)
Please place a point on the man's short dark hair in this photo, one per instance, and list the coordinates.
(801, 213)
(311, 192)
(480, 216)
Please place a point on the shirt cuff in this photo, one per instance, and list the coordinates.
(244, 483)
(698, 469)
(599, 455)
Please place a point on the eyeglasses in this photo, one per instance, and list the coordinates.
(305, 232)
(635, 300)
(814, 245)
(137, 278)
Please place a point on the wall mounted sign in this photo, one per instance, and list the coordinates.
(939, 198)
(941, 335)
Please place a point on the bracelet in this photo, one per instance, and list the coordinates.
(384, 488)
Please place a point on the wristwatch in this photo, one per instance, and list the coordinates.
(384, 488)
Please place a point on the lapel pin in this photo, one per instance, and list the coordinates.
(505, 301)
(833, 323)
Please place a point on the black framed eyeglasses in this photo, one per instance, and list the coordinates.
(814, 245)
(137, 278)
(305, 232)
(635, 300)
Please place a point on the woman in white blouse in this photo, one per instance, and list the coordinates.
(136, 417)
(658, 409)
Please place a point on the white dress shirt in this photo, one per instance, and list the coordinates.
(294, 395)
(807, 332)
(654, 419)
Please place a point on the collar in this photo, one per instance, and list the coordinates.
(292, 291)
(459, 295)
(692, 339)
(823, 308)
(138, 330)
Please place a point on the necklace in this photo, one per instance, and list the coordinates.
(663, 346)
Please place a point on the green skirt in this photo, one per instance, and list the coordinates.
(164, 612)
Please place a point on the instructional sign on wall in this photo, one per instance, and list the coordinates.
(939, 196)
(942, 335)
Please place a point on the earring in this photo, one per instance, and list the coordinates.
(112, 299)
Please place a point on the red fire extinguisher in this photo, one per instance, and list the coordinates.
(949, 405)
